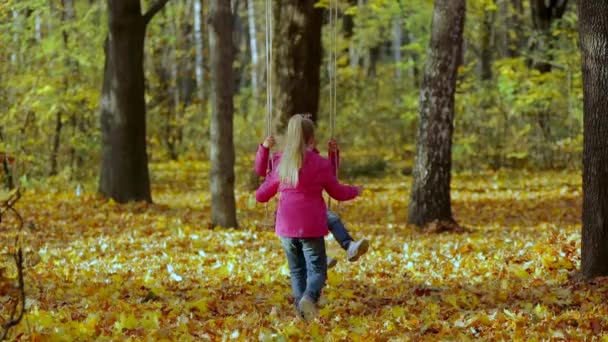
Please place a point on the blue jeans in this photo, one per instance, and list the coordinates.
(307, 265)
(337, 229)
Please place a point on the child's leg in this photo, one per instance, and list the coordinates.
(316, 266)
(297, 266)
(337, 229)
(354, 249)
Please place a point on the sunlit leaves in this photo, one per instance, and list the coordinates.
(158, 271)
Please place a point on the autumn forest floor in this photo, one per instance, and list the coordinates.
(101, 271)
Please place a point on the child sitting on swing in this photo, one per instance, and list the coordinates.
(301, 218)
(354, 249)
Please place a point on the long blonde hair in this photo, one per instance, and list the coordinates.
(300, 130)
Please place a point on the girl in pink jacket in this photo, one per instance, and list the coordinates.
(301, 219)
(354, 248)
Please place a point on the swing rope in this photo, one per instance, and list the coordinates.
(333, 19)
(269, 68)
(268, 36)
(333, 78)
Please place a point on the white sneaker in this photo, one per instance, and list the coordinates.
(357, 249)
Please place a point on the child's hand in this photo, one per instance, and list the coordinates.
(269, 142)
(332, 145)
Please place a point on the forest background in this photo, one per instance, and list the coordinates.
(165, 269)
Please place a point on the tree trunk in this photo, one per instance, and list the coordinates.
(511, 36)
(223, 207)
(253, 46)
(593, 29)
(543, 14)
(56, 143)
(67, 13)
(164, 66)
(348, 26)
(297, 54)
(198, 38)
(430, 196)
(487, 46)
(124, 168)
(397, 42)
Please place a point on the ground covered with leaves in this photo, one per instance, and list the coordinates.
(96, 270)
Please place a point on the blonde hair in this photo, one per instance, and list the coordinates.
(300, 130)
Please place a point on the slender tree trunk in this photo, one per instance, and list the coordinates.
(67, 14)
(544, 13)
(414, 72)
(223, 207)
(124, 168)
(56, 143)
(593, 29)
(17, 28)
(430, 196)
(397, 41)
(297, 54)
(164, 67)
(253, 45)
(487, 46)
(198, 38)
(186, 72)
(348, 25)
(510, 36)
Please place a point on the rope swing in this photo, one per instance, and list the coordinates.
(268, 222)
(333, 78)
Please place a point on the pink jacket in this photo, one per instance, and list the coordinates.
(261, 166)
(301, 211)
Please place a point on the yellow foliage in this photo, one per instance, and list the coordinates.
(132, 272)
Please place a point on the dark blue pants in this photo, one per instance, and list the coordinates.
(337, 229)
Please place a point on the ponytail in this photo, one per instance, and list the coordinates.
(299, 131)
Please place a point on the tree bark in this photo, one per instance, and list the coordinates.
(593, 30)
(223, 207)
(198, 38)
(543, 14)
(67, 13)
(397, 42)
(430, 194)
(253, 46)
(511, 36)
(487, 46)
(297, 54)
(124, 173)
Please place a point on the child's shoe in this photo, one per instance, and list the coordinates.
(357, 249)
(331, 262)
(307, 308)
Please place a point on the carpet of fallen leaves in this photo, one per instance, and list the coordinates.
(101, 271)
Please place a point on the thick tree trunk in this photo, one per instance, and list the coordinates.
(124, 168)
(430, 196)
(297, 54)
(593, 26)
(223, 207)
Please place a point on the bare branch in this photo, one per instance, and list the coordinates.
(155, 8)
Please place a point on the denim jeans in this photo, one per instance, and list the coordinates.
(337, 229)
(307, 265)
